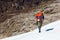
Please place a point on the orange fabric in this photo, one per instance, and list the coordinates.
(39, 14)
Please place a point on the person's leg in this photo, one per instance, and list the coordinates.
(39, 29)
(40, 25)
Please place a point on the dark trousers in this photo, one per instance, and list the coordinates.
(39, 27)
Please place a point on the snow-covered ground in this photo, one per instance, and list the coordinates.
(53, 34)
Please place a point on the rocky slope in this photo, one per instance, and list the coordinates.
(24, 22)
(18, 24)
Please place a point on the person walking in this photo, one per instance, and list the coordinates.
(40, 19)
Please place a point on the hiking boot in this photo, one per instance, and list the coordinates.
(39, 31)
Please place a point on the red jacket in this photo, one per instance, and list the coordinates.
(39, 14)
